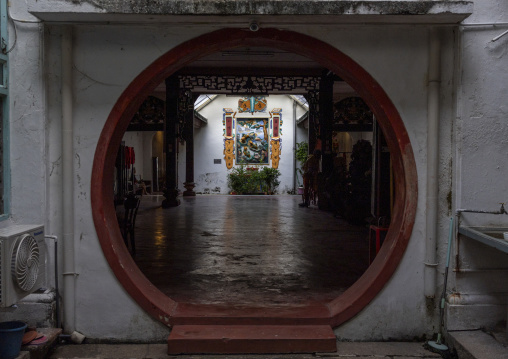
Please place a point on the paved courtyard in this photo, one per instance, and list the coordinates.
(253, 250)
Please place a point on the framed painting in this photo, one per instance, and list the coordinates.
(252, 141)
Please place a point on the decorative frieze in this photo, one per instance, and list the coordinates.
(249, 85)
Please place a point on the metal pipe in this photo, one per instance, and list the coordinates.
(502, 210)
(464, 27)
(434, 81)
(499, 36)
(479, 270)
(74, 337)
(479, 24)
(458, 213)
(68, 184)
(57, 293)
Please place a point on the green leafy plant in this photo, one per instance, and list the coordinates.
(302, 151)
(239, 180)
(249, 180)
(270, 177)
(301, 155)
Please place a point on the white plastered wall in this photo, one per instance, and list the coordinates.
(400, 66)
(480, 167)
(106, 60)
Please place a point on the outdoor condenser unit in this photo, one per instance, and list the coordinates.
(22, 262)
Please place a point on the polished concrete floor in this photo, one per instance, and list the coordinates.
(249, 250)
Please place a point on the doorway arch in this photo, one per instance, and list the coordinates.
(355, 298)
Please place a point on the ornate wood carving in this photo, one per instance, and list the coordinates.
(249, 85)
(185, 108)
(229, 152)
(275, 152)
(252, 104)
(313, 101)
(150, 114)
(352, 111)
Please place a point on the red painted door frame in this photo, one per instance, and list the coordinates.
(377, 275)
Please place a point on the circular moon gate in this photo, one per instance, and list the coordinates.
(356, 297)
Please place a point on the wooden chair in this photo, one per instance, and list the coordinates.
(131, 206)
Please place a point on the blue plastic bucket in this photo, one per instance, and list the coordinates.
(11, 336)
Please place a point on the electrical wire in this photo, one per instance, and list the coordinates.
(21, 20)
(4, 44)
(14, 21)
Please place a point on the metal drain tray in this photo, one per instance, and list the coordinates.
(491, 236)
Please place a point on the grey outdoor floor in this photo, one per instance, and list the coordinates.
(474, 344)
(362, 350)
(253, 250)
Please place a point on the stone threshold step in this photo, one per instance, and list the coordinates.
(247, 339)
(195, 314)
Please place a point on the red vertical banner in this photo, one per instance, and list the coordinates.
(275, 142)
(276, 124)
(229, 126)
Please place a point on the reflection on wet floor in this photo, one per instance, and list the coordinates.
(251, 250)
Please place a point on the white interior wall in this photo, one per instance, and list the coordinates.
(141, 141)
(148, 137)
(135, 140)
(210, 177)
(209, 144)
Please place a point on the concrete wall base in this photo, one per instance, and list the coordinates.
(476, 345)
(472, 317)
(37, 310)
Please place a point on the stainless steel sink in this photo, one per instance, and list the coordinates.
(491, 236)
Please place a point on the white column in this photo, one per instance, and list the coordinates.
(432, 163)
(69, 322)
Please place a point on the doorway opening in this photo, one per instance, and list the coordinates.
(337, 310)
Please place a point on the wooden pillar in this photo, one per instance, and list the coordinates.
(312, 99)
(189, 148)
(326, 120)
(381, 176)
(170, 142)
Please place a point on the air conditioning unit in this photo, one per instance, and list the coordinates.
(22, 262)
